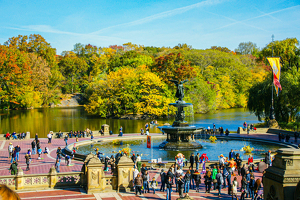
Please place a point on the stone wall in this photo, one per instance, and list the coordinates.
(281, 179)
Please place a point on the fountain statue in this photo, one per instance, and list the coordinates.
(180, 135)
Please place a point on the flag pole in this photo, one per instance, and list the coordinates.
(272, 116)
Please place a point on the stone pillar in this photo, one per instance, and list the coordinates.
(125, 174)
(19, 179)
(281, 179)
(27, 137)
(94, 172)
(53, 177)
(105, 129)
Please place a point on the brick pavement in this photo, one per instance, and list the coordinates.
(43, 166)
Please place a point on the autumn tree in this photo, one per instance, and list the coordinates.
(15, 79)
(129, 90)
(173, 66)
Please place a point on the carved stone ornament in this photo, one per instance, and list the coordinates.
(125, 173)
(272, 193)
(287, 162)
(94, 174)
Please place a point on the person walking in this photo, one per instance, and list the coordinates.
(192, 181)
(10, 150)
(57, 165)
(153, 184)
(197, 160)
(145, 182)
(66, 139)
(251, 187)
(187, 180)
(58, 154)
(18, 149)
(225, 174)
(214, 174)
(138, 184)
(243, 188)
(197, 178)
(207, 181)
(238, 164)
(27, 158)
(13, 156)
(248, 179)
(113, 164)
(178, 173)
(139, 162)
(257, 189)
(231, 154)
(36, 138)
(33, 146)
(14, 168)
(221, 160)
(49, 136)
(163, 179)
(180, 183)
(192, 160)
(169, 188)
(220, 180)
(234, 188)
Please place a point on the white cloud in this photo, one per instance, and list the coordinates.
(163, 14)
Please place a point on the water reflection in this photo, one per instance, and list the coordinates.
(43, 120)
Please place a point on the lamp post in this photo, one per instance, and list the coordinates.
(272, 115)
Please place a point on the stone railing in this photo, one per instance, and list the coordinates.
(43, 181)
(91, 177)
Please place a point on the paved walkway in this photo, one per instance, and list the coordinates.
(80, 193)
(43, 166)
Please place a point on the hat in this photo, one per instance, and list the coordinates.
(162, 170)
(232, 158)
(10, 143)
(221, 155)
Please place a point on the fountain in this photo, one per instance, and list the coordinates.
(180, 135)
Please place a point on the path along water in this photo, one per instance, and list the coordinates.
(43, 120)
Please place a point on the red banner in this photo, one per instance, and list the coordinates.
(149, 142)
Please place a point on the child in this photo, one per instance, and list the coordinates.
(39, 152)
(46, 150)
(153, 184)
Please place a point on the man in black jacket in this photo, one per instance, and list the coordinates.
(192, 160)
(169, 187)
(197, 157)
(163, 178)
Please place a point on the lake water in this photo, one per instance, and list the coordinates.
(213, 150)
(43, 120)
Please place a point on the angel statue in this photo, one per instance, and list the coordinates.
(179, 93)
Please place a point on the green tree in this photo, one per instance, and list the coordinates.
(247, 48)
(287, 50)
(287, 103)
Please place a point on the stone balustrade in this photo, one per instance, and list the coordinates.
(91, 177)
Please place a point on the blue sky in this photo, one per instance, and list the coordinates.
(201, 24)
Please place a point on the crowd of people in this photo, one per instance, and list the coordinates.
(15, 136)
(217, 177)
